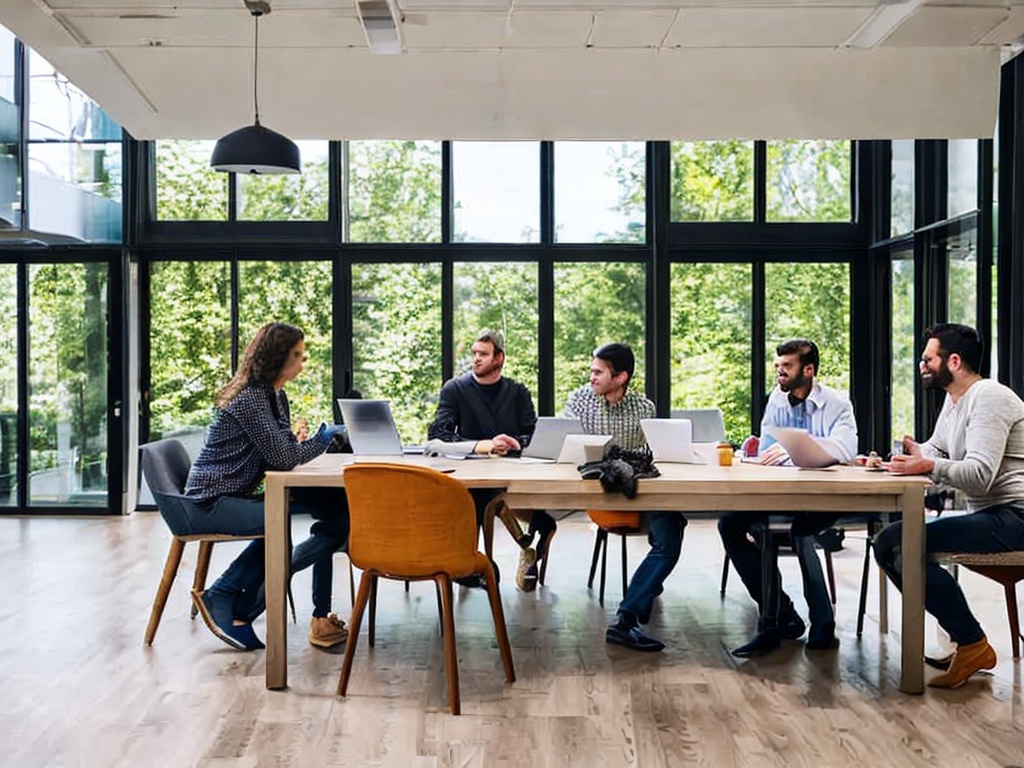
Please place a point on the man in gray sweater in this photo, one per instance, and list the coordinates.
(977, 447)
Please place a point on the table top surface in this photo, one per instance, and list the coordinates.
(534, 477)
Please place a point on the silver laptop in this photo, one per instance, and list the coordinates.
(371, 428)
(708, 423)
(671, 440)
(804, 449)
(549, 437)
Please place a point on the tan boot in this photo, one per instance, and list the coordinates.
(327, 631)
(967, 660)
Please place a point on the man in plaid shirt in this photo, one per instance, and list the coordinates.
(607, 406)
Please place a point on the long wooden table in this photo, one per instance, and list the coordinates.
(681, 487)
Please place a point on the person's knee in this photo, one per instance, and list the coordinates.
(733, 526)
(885, 545)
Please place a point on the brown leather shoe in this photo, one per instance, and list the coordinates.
(967, 660)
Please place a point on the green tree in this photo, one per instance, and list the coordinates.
(809, 181)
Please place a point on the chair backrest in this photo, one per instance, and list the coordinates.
(708, 423)
(165, 465)
(410, 521)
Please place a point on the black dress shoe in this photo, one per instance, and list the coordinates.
(631, 637)
(763, 642)
(822, 637)
(770, 639)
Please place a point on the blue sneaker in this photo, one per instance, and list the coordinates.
(216, 615)
(631, 637)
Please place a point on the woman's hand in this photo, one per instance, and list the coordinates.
(302, 430)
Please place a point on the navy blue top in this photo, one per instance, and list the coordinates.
(469, 410)
(250, 436)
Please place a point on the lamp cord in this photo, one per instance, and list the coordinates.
(256, 68)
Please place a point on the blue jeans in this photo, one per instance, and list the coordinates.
(665, 535)
(996, 529)
(757, 563)
(243, 579)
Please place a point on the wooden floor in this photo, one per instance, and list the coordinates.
(79, 689)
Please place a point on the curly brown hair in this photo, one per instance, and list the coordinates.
(264, 359)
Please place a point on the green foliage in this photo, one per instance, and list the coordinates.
(394, 191)
(190, 343)
(711, 326)
(187, 188)
(68, 363)
(396, 314)
(809, 181)
(286, 197)
(8, 338)
(712, 181)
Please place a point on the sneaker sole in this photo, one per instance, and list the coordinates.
(321, 642)
(200, 604)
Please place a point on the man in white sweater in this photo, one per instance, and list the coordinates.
(978, 447)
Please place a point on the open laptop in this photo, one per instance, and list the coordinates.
(708, 423)
(371, 428)
(671, 440)
(803, 449)
(549, 437)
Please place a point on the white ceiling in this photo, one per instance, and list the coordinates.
(532, 69)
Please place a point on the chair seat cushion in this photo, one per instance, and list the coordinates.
(616, 520)
(976, 558)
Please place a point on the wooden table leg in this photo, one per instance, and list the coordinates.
(277, 565)
(913, 555)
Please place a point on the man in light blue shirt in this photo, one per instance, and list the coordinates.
(797, 401)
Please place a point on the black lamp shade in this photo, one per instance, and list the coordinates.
(255, 149)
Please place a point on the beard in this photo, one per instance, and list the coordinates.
(487, 370)
(795, 382)
(938, 380)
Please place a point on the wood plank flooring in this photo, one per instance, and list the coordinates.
(77, 688)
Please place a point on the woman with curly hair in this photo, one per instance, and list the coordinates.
(250, 434)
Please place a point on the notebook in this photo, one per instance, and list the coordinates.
(549, 437)
(371, 428)
(803, 449)
(671, 440)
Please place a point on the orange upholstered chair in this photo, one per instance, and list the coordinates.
(624, 524)
(416, 524)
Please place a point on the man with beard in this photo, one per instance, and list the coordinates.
(801, 402)
(487, 413)
(977, 446)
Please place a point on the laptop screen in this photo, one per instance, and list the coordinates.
(371, 428)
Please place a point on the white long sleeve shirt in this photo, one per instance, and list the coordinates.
(826, 414)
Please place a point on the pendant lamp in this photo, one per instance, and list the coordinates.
(255, 149)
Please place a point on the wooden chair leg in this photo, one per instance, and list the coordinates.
(863, 603)
(451, 658)
(1011, 612)
(162, 591)
(725, 575)
(830, 572)
(373, 610)
(604, 564)
(622, 536)
(500, 630)
(351, 584)
(202, 570)
(547, 554)
(440, 608)
(601, 534)
(353, 631)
